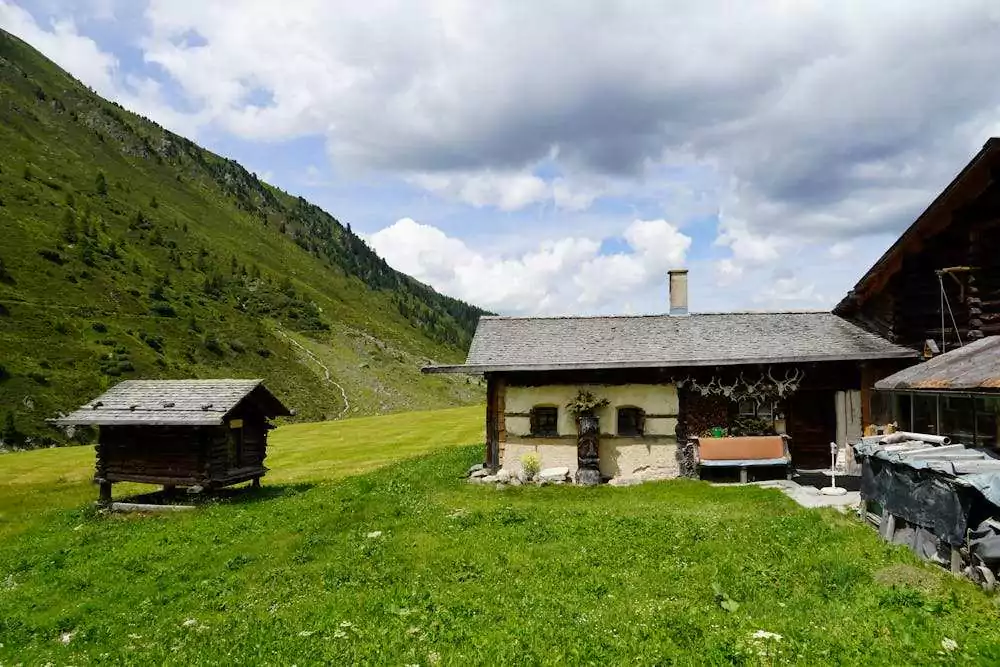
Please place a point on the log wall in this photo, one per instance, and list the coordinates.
(906, 308)
(185, 456)
(173, 454)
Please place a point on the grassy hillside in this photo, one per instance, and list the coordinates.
(129, 251)
(411, 565)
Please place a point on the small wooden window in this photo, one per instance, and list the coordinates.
(630, 421)
(545, 421)
(767, 411)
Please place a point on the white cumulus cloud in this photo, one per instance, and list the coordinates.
(64, 45)
(568, 275)
(807, 124)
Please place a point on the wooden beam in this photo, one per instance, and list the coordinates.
(867, 383)
(105, 496)
(501, 414)
(492, 421)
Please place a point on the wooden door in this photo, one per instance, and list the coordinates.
(812, 425)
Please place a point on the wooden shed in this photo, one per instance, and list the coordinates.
(180, 433)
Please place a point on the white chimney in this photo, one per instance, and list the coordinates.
(678, 291)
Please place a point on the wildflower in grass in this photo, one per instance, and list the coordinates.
(949, 644)
(66, 637)
(189, 623)
(339, 634)
(346, 624)
(306, 633)
(764, 634)
(375, 533)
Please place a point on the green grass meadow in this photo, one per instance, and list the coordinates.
(349, 555)
(39, 482)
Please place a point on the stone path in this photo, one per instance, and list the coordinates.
(808, 496)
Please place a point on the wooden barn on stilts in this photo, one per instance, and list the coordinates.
(180, 433)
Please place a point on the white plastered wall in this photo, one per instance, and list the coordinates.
(653, 454)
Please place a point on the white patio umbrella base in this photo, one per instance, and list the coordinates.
(833, 489)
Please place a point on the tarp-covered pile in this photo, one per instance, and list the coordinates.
(939, 491)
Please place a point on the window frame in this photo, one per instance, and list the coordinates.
(535, 427)
(770, 411)
(766, 410)
(639, 421)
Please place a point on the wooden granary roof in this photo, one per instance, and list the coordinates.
(173, 403)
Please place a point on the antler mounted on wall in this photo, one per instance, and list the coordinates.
(793, 378)
(747, 388)
(765, 387)
(728, 389)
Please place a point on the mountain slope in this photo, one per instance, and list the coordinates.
(128, 251)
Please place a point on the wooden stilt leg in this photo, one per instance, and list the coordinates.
(105, 498)
(255, 484)
(743, 475)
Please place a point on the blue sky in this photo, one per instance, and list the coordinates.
(559, 157)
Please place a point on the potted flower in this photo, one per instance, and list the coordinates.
(585, 405)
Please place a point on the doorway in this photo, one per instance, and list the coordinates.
(812, 426)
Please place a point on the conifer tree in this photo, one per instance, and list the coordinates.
(9, 434)
(101, 184)
(69, 226)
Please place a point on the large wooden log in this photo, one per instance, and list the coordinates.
(147, 507)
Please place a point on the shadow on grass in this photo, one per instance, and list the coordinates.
(244, 495)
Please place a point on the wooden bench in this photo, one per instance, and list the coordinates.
(743, 453)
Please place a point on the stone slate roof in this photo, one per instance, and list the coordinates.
(172, 403)
(974, 367)
(663, 341)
